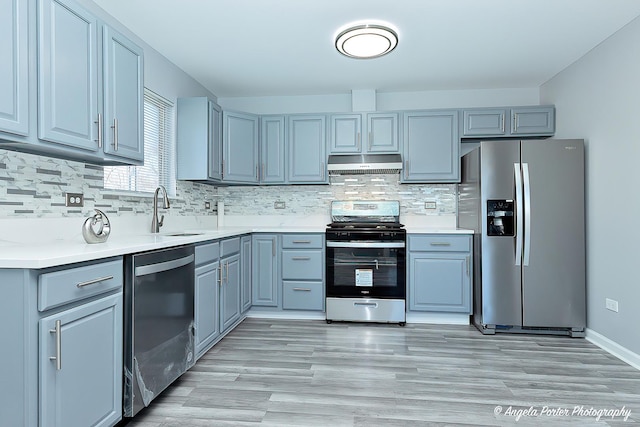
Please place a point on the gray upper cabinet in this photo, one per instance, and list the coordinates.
(101, 123)
(68, 89)
(431, 146)
(240, 147)
(14, 67)
(507, 122)
(272, 150)
(199, 140)
(364, 133)
(123, 96)
(533, 121)
(307, 149)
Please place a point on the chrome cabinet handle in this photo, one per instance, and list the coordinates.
(322, 170)
(370, 140)
(257, 172)
(301, 258)
(99, 122)
(515, 122)
(115, 134)
(359, 142)
(219, 278)
(440, 244)
(406, 169)
(302, 242)
(502, 122)
(93, 281)
(263, 171)
(273, 247)
(58, 356)
(365, 304)
(467, 264)
(302, 289)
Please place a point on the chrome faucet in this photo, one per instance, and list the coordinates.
(155, 224)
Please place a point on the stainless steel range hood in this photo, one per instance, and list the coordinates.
(339, 164)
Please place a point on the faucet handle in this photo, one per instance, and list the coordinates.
(161, 221)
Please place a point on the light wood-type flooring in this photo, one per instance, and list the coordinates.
(309, 373)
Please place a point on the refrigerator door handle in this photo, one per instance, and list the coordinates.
(519, 211)
(527, 213)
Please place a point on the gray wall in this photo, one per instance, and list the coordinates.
(598, 98)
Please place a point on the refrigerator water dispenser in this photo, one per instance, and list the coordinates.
(500, 218)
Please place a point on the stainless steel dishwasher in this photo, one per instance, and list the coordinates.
(158, 322)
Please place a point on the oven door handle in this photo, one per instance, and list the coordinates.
(163, 266)
(331, 244)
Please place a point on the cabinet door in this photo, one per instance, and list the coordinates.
(214, 141)
(67, 75)
(272, 150)
(346, 133)
(265, 272)
(439, 282)
(533, 121)
(245, 278)
(484, 122)
(14, 67)
(240, 147)
(206, 305)
(307, 149)
(123, 96)
(230, 291)
(382, 136)
(431, 147)
(81, 365)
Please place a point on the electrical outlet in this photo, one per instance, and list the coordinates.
(207, 205)
(75, 200)
(611, 304)
(430, 205)
(279, 205)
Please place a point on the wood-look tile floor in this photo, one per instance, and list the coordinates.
(308, 373)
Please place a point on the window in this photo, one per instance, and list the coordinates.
(158, 168)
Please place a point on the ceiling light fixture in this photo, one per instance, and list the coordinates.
(366, 41)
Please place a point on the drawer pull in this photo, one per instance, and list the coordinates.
(440, 244)
(94, 281)
(58, 356)
(302, 241)
(301, 258)
(302, 289)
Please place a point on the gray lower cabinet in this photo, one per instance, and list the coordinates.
(439, 273)
(265, 278)
(206, 311)
(82, 385)
(245, 274)
(64, 330)
(303, 272)
(431, 146)
(501, 122)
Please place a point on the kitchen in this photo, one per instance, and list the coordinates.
(593, 100)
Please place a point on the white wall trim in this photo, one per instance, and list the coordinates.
(613, 348)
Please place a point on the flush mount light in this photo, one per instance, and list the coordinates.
(366, 41)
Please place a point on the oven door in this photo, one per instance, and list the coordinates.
(365, 269)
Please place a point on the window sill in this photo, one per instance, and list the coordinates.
(134, 194)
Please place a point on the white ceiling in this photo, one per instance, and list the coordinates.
(286, 47)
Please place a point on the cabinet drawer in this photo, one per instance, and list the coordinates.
(294, 241)
(440, 243)
(302, 265)
(208, 252)
(73, 284)
(302, 296)
(229, 246)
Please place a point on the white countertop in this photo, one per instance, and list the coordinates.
(21, 251)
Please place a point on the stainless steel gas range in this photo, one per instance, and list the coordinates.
(365, 262)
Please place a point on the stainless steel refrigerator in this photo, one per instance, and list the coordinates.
(525, 202)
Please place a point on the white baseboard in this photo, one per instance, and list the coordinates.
(613, 348)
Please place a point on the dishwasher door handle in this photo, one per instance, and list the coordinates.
(163, 266)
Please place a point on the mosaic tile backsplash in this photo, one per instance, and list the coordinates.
(34, 186)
